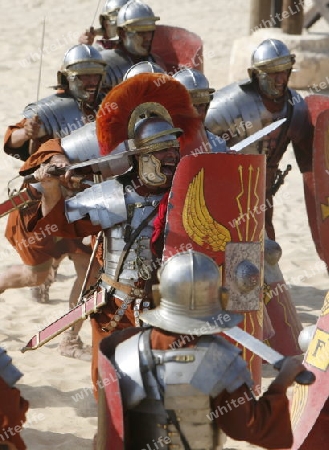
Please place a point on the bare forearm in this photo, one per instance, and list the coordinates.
(49, 200)
(17, 138)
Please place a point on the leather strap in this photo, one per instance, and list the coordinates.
(107, 327)
(133, 236)
(132, 291)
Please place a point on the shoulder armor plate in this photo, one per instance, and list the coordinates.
(117, 65)
(59, 114)
(104, 202)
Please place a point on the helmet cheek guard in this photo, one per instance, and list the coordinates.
(149, 171)
(151, 130)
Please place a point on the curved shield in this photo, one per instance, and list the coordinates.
(310, 404)
(317, 104)
(216, 207)
(110, 409)
(321, 180)
(178, 47)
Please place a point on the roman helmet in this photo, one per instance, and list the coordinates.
(270, 56)
(108, 17)
(136, 17)
(197, 85)
(80, 60)
(116, 123)
(190, 284)
(143, 67)
(151, 130)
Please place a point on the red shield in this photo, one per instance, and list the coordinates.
(216, 207)
(310, 404)
(317, 104)
(178, 47)
(111, 432)
(110, 411)
(321, 178)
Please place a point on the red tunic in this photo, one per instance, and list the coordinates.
(12, 415)
(39, 249)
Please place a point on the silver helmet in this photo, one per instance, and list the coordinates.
(136, 16)
(108, 17)
(197, 85)
(151, 130)
(190, 285)
(81, 60)
(133, 18)
(271, 56)
(143, 67)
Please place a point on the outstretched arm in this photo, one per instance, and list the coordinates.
(264, 422)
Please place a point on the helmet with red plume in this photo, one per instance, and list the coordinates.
(116, 114)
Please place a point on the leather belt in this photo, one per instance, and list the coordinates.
(132, 291)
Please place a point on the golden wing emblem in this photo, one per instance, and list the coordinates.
(299, 401)
(197, 221)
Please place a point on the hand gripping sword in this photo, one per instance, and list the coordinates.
(265, 352)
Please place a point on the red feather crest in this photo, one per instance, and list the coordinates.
(115, 111)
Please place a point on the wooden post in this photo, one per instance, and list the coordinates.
(277, 9)
(292, 16)
(260, 11)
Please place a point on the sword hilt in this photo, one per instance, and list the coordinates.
(55, 171)
(306, 377)
(281, 175)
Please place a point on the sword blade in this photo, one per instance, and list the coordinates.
(80, 312)
(15, 201)
(102, 159)
(265, 352)
(255, 345)
(257, 136)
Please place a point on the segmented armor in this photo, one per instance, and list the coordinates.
(119, 215)
(237, 111)
(118, 63)
(154, 381)
(60, 114)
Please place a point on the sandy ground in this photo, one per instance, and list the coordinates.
(62, 411)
